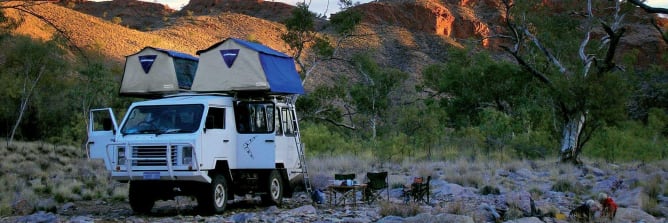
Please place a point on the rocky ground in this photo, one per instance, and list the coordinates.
(637, 188)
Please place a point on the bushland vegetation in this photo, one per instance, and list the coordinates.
(473, 104)
(478, 106)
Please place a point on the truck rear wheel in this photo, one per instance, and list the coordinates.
(141, 200)
(214, 198)
(274, 194)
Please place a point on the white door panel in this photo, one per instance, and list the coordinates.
(102, 128)
(256, 151)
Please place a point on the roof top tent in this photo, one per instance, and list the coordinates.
(153, 72)
(235, 65)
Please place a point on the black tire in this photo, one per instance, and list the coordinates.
(274, 195)
(213, 199)
(141, 200)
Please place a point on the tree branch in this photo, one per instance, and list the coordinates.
(614, 42)
(547, 53)
(335, 123)
(24, 8)
(528, 67)
(648, 8)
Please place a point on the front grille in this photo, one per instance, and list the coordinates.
(152, 155)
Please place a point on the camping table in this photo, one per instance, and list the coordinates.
(343, 190)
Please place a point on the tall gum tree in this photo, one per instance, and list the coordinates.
(302, 34)
(310, 46)
(582, 74)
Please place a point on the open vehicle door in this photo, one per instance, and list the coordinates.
(102, 129)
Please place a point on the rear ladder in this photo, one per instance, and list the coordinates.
(300, 147)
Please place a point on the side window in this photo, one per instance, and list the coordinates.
(255, 117)
(279, 122)
(270, 118)
(287, 122)
(216, 118)
(102, 124)
(102, 121)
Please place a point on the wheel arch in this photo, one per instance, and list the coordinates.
(287, 188)
(222, 168)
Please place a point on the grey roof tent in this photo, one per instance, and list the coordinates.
(153, 72)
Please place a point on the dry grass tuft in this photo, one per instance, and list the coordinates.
(35, 171)
(650, 198)
(457, 208)
(402, 210)
(466, 180)
(565, 185)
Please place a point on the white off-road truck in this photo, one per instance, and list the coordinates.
(207, 142)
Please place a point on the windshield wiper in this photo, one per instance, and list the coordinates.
(160, 132)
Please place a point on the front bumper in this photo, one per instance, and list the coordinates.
(197, 176)
(155, 161)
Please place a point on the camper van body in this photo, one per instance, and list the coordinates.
(211, 146)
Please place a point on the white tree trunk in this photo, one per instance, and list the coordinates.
(25, 98)
(571, 134)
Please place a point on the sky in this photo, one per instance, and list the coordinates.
(321, 6)
(317, 6)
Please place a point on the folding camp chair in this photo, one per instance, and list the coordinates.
(377, 182)
(420, 190)
(343, 188)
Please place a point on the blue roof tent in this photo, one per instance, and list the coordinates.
(238, 65)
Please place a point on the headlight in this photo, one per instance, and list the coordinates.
(121, 155)
(187, 157)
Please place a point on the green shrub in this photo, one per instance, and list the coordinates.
(5, 209)
(485, 190)
(320, 140)
(562, 186)
(534, 191)
(630, 141)
(116, 20)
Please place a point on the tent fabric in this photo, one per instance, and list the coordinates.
(154, 71)
(238, 65)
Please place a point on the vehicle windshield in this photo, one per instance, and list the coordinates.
(162, 119)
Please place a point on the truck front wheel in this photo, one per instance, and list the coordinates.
(214, 198)
(274, 194)
(141, 200)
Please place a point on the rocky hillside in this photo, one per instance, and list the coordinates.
(405, 34)
(134, 14)
(186, 34)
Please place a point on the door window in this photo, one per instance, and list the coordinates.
(255, 117)
(216, 118)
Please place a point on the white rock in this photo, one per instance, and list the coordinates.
(525, 173)
(630, 199)
(303, 210)
(525, 220)
(391, 219)
(633, 215)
